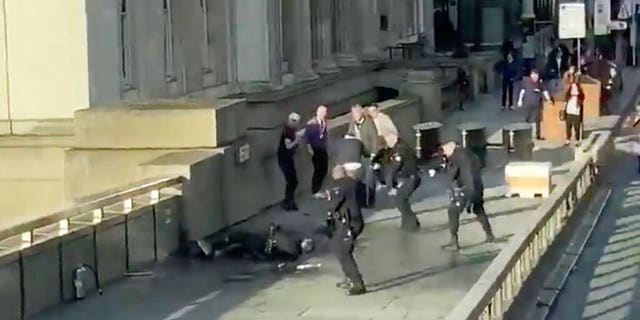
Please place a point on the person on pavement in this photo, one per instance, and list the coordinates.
(464, 170)
(384, 125)
(316, 136)
(405, 180)
(601, 70)
(349, 152)
(289, 141)
(557, 64)
(568, 78)
(344, 212)
(532, 97)
(508, 73)
(572, 112)
(363, 128)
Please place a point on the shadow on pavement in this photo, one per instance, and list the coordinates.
(431, 271)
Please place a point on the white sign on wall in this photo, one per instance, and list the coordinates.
(572, 21)
(601, 17)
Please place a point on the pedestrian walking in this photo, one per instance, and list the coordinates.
(572, 112)
(508, 71)
(531, 97)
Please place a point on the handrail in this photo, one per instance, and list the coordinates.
(124, 195)
(492, 295)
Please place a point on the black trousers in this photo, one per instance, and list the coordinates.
(342, 245)
(408, 218)
(320, 160)
(573, 123)
(476, 205)
(534, 116)
(357, 222)
(507, 94)
(288, 168)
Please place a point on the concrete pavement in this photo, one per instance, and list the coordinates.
(409, 276)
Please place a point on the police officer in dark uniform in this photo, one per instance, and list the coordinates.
(404, 179)
(343, 206)
(464, 169)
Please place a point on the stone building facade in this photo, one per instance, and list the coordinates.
(99, 52)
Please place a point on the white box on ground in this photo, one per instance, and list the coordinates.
(528, 178)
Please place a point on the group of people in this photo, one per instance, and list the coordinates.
(562, 84)
(370, 157)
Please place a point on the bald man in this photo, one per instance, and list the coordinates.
(464, 169)
(316, 135)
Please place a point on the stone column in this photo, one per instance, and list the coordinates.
(527, 10)
(301, 60)
(370, 28)
(429, 29)
(258, 25)
(426, 85)
(347, 19)
(322, 36)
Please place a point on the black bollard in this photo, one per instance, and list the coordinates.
(517, 141)
(473, 137)
(427, 140)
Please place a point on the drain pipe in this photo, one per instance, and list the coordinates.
(6, 65)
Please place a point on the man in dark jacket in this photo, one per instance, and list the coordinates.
(464, 170)
(289, 141)
(531, 97)
(347, 225)
(405, 180)
(508, 71)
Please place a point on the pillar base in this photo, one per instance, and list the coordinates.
(306, 76)
(326, 67)
(259, 86)
(347, 60)
(372, 56)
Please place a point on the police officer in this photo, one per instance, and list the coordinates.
(343, 207)
(464, 169)
(404, 179)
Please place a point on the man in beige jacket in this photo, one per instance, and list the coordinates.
(384, 125)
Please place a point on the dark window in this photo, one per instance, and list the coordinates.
(384, 22)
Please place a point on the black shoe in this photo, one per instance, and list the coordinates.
(357, 290)
(490, 238)
(344, 284)
(289, 206)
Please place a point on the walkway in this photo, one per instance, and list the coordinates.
(606, 281)
(409, 276)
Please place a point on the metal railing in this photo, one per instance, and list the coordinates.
(89, 212)
(492, 295)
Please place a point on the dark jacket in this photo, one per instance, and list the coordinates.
(316, 135)
(553, 69)
(367, 133)
(465, 170)
(508, 70)
(342, 198)
(404, 162)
